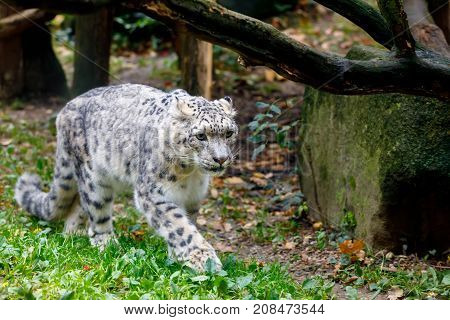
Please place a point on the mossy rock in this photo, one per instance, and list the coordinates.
(386, 158)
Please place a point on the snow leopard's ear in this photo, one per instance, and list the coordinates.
(181, 108)
(227, 106)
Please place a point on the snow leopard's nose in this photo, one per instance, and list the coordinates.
(220, 159)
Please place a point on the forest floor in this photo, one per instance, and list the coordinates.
(255, 215)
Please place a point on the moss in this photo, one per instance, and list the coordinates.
(387, 159)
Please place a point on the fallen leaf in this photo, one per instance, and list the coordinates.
(227, 227)
(317, 225)
(259, 182)
(249, 225)
(214, 193)
(360, 255)
(395, 293)
(216, 225)
(234, 181)
(351, 246)
(289, 245)
(201, 221)
(223, 247)
(259, 175)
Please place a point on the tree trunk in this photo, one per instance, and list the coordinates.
(195, 63)
(440, 10)
(11, 75)
(92, 50)
(28, 64)
(423, 28)
(43, 74)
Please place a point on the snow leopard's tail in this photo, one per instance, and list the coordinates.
(57, 202)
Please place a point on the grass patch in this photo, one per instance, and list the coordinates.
(38, 262)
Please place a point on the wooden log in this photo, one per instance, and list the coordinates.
(11, 67)
(196, 63)
(92, 50)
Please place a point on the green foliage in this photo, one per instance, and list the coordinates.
(265, 127)
(348, 222)
(414, 284)
(130, 30)
(321, 239)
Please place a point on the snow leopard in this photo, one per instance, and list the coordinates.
(162, 146)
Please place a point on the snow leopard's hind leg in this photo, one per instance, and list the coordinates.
(57, 202)
(76, 219)
(96, 199)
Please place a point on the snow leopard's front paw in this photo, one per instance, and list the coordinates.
(198, 257)
(102, 240)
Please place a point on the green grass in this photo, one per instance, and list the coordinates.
(38, 262)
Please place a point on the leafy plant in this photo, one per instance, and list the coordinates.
(265, 128)
(321, 239)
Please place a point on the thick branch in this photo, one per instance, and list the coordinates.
(21, 21)
(396, 17)
(364, 16)
(68, 6)
(261, 44)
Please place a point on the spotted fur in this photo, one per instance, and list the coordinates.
(163, 146)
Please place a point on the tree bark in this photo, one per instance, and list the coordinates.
(260, 44)
(92, 50)
(423, 28)
(396, 17)
(411, 71)
(43, 74)
(67, 6)
(19, 22)
(364, 16)
(11, 67)
(195, 63)
(440, 10)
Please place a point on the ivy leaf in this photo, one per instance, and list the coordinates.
(309, 284)
(257, 151)
(351, 293)
(242, 282)
(274, 108)
(261, 105)
(200, 278)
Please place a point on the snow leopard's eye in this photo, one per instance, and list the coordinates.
(201, 136)
(229, 134)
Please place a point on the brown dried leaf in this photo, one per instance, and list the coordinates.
(317, 225)
(201, 221)
(223, 247)
(227, 227)
(214, 193)
(289, 245)
(259, 182)
(234, 181)
(351, 246)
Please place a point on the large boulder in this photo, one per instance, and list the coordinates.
(386, 158)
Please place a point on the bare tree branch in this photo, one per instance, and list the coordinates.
(395, 15)
(68, 6)
(364, 16)
(19, 22)
(261, 44)
(426, 73)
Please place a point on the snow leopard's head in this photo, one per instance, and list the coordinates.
(206, 132)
